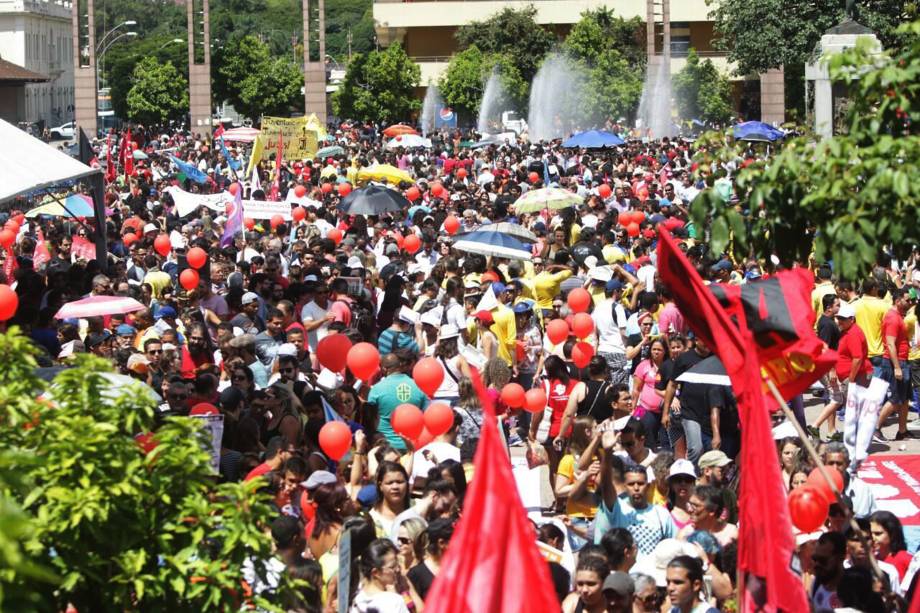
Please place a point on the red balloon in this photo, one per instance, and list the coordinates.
(298, 213)
(332, 351)
(807, 508)
(276, 221)
(408, 421)
(12, 225)
(7, 238)
(249, 222)
(461, 173)
(557, 331)
(582, 353)
(129, 239)
(363, 360)
(19, 219)
(234, 187)
(633, 229)
(400, 241)
(513, 395)
(582, 325)
(437, 189)
(535, 400)
(335, 439)
(413, 194)
(189, 279)
(344, 189)
(424, 438)
(451, 224)
(579, 300)
(817, 482)
(162, 245)
(533, 177)
(204, 408)
(9, 302)
(300, 191)
(438, 418)
(335, 234)
(412, 243)
(196, 257)
(428, 374)
(326, 188)
(638, 217)
(604, 190)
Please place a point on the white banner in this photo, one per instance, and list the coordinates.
(264, 209)
(861, 418)
(302, 201)
(187, 202)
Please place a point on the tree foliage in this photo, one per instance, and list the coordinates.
(510, 32)
(849, 197)
(256, 83)
(702, 92)
(158, 93)
(379, 86)
(463, 83)
(110, 527)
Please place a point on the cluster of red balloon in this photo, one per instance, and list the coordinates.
(532, 400)
(631, 220)
(809, 504)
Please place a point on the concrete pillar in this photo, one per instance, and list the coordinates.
(199, 73)
(649, 28)
(314, 72)
(824, 108)
(84, 73)
(773, 96)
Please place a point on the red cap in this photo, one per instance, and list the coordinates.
(485, 317)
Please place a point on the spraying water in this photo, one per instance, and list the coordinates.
(430, 108)
(490, 109)
(556, 99)
(655, 103)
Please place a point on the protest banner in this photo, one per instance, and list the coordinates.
(82, 248)
(187, 202)
(298, 135)
(265, 209)
(861, 417)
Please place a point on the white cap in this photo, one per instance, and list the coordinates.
(408, 315)
(249, 297)
(431, 317)
(601, 273)
(682, 467)
(150, 228)
(846, 310)
(355, 262)
(287, 349)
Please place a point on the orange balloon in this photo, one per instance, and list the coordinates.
(579, 300)
(816, 480)
(204, 408)
(189, 279)
(582, 325)
(335, 439)
(513, 395)
(335, 234)
(604, 191)
(9, 302)
(234, 187)
(412, 243)
(249, 222)
(129, 239)
(408, 421)
(300, 191)
(196, 257)
(633, 229)
(276, 221)
(807, 508)
(363, 361)
(344, 189)
(162, 245)
(428, 374)
(298, 213)
(535, 400)
(557, 331)
(437, 190)
(326, 188)
(451, 224)
(462, 173)
(582, 353)
(438, 418)
(332, 351)
(413, 194)
(423, 439)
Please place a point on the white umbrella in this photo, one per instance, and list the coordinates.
(98, 306)
(242, 135)
(494, 244)
(409, 141)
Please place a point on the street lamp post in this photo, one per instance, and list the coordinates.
(101, 55)
(170, 42)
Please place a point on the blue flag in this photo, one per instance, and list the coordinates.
(234, 164)
(189, 170)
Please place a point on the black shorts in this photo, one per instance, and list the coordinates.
(899, 392)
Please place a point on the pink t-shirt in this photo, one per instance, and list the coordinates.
(648, 374)
(670, 321)
(340, 309)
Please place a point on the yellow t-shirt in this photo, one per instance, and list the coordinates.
(582, 507)
(821, 290)
(869, 314)
(158, 281)
(546, 287)
(505, 331)
(911, 322)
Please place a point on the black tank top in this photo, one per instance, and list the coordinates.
(595, 403)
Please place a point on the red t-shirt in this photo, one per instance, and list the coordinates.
(900, 560)
(258, 471)
(557, 398)
(893, 325)
(853, 346)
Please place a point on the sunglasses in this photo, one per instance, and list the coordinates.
(155, 351)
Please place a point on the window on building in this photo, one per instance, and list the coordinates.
(680, 38)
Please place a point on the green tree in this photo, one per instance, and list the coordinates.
(848, 197)
(379, 86)
(122, 529)
(514, 33)
(349, 16)
(463, 83)
(158, 93)
(609, 53)
(121, 60)
(254, 82)
(702, 92)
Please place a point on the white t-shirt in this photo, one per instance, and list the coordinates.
(609, 339)
(313, 312)
(437, 450)
(381, 602)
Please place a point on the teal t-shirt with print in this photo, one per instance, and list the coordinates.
(388, 394)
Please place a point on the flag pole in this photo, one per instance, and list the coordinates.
(813, 453)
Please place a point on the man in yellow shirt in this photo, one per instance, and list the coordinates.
(913, 357)
(504, 326)
(547, 281)
(823, 287)
(870, 310)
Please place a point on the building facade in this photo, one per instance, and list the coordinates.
(37, 35)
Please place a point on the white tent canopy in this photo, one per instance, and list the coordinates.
(27, 164)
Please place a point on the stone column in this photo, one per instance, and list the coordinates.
(199, 73)
(84, 67)
(314, 72)
(773, 96)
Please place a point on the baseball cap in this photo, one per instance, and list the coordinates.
(150, 228)
(498, 287)
(716, 457)
(318, 478)
(523, 307)
(94, 340)
(619, 582)
(485, 317)
(846, 310)
(408, 315)
(287, 349)
(125, 330)
(249, 298)
(138, 363)
(721, 265)
(682, 467)
(355, 262)
(166, 311)
(613, 285)
(601, 273)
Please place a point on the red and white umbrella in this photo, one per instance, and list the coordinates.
(242, 135)
(98, 306)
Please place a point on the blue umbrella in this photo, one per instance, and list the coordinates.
(493, 243)
(593, 139)
(757, 131)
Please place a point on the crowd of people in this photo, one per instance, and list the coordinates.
(640, 459)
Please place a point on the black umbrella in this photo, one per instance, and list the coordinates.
(373, 200)
(709, 371)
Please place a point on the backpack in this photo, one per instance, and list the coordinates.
(363, 319)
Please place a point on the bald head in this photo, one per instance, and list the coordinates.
(390, 362)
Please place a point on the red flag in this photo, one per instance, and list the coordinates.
(109, 163)
(219, 131)
(493, 563)
(275, 194)
(41, 255)
(129, 157)
(765, 543)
